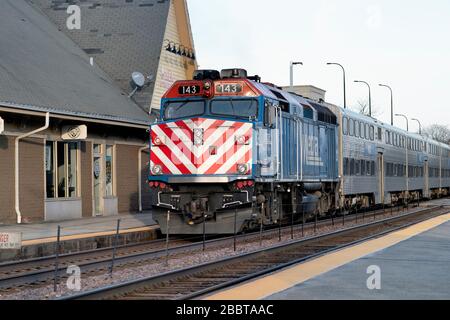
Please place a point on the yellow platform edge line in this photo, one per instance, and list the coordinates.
(87, 235)
(268, 285)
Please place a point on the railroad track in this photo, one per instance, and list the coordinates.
(193, 282)
(41, 271)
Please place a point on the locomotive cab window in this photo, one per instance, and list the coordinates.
(243, 109)
(183, 109)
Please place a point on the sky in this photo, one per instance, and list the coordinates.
(404, 44)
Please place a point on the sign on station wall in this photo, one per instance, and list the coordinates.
(2, 125)
(74, 132)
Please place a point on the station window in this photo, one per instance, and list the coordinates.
(109, 154)
(61, 168)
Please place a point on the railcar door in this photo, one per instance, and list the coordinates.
(381, 177)
(426, 176)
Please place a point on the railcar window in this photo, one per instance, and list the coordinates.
(363, 167)
(357, 168)
(346, 171)
(366, 131)
(373, 168)
(388, 137)
(183, 109)
(235, 108)
(352, 127)
(372, 133)
(345, 126)
(357, 129)
(352, 167)
(361, 130)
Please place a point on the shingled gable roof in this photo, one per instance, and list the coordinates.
(41, 69)
(122, 36)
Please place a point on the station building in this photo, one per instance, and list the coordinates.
(73, 143)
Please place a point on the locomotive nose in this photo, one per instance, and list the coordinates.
(202, 147)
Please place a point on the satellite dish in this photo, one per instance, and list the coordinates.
(138, 79)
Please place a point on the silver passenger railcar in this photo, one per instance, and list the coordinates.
(382, 164)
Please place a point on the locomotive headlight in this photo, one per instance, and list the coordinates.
(157, 141)
(157, 170)
(198, 137)
(198, 133)
(242, 140)
(242, 168)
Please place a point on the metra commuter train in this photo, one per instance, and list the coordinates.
(231, 152)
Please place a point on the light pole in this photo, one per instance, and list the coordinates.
(291, 69)
(420, 125)
(407, 163)
(392, 102)
(343, 70)
(370, 96)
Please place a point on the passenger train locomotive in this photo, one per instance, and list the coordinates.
(231, 152)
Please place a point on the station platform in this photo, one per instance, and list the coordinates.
(78, 235)
(414, 263)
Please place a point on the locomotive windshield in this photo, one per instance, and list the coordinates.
(230, 108)
(183, 109)
(235, 108)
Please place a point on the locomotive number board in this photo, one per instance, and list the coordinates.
(191, 90)
(229, 88)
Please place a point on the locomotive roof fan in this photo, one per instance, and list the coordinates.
(206, 75)
(234, 73)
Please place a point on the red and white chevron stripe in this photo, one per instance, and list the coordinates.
(219, 153)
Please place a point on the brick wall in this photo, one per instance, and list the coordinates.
(127, 180)
(86, 178)
(31, 180)
(7, 213)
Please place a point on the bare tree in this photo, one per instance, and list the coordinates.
(363, 108)
(438, 132)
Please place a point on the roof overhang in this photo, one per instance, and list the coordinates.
(7, 107)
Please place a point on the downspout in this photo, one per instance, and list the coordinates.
(140, 175)
(16, 163)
